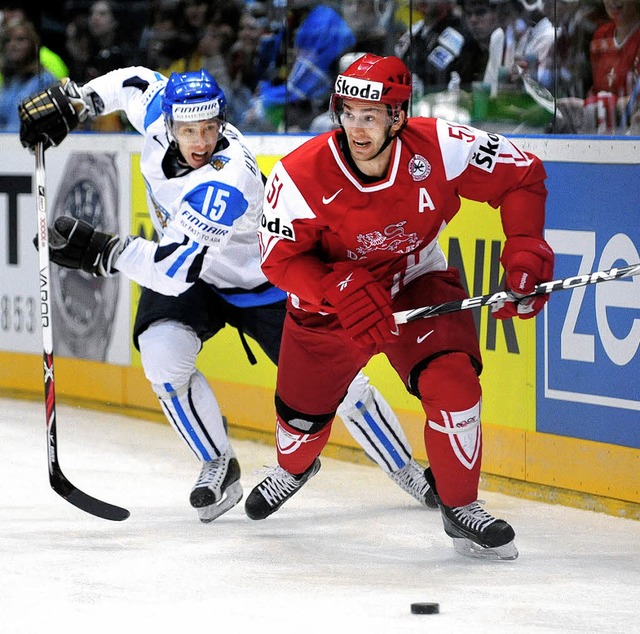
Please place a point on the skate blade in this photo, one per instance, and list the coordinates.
(467, 548)
(232, 496)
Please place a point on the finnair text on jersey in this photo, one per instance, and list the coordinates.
(204, 231)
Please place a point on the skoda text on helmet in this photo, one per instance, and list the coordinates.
(193, 96)
(374, 79)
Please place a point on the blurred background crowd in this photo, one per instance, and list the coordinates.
(514, 66)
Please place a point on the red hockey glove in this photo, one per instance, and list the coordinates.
(527, 262)
(361, 304)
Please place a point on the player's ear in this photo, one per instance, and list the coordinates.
(399, 122)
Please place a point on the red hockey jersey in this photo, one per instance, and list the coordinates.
(615, 68)
(317, 212)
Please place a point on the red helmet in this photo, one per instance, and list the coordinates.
(374, 78)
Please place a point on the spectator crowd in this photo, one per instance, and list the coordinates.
(569, 66)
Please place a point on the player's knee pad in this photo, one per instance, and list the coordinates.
(446, 367)
(449, 382)
(305, 423)
(168, 351)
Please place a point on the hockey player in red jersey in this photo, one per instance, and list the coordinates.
(350, 230)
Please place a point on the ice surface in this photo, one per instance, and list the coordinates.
(348, 554)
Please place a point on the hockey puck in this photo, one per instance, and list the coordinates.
(425, 608)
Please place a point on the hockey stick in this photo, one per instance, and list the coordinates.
(405, 316)
(57, 479)
(541, 95)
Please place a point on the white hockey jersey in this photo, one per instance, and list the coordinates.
(206, 219)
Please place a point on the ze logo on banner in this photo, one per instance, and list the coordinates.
(592, 334)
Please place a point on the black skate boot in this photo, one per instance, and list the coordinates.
(218, 487)
(268, 496)
(475, 532)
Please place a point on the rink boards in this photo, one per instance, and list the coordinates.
(561, 403)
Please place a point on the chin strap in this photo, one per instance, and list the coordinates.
(385, 145)
(389, 138)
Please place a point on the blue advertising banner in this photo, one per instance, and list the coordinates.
(588, 344)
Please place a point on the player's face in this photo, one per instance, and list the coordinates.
(197, 140)
(366, 126)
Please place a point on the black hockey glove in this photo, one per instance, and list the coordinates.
(48, 116)
(75, 244)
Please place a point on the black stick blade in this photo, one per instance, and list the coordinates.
(84, 502)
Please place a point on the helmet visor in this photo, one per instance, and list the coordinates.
(363, 115)
(197, 132)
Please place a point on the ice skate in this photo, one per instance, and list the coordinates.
(218, 487)
(279, 485)
(475, 532)
(411, 479)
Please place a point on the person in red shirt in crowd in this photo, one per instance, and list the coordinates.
(611, 102)
(615, 49)
(360, 242)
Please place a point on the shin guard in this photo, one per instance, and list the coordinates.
(296, 449)
(450, 393)
(374, 425)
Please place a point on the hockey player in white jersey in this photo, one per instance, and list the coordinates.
(205, 194)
